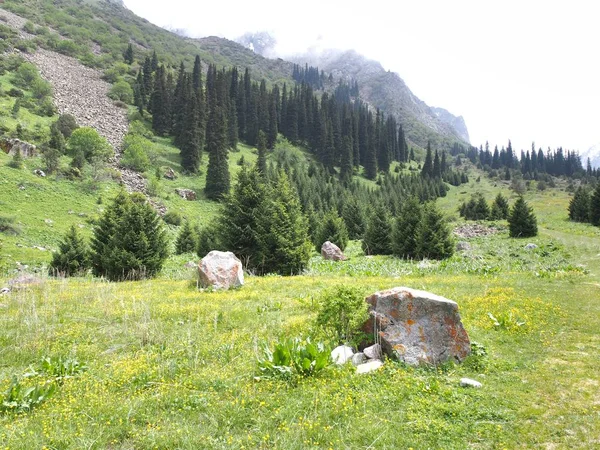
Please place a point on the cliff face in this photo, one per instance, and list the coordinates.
(387, 91)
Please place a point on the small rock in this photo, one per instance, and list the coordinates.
(531, 247)
(170, 174)
(358, 359)
(39, 173)
(331, 252)
(467, 382)
(41, 249)
(4, 291)
(373, 352)
(462, 246)
(370, 366)
(49, 221)
(186, 194)
(342, 354)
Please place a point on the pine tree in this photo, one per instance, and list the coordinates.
(73, 256)
(187, 240)
(406, 229)
(521, 220)
(579, 206)
(437, 165)
(57, 139)
(261, 145)
(595, 206)
(378, 236)
(434, 240)
(347, 164)
(129, 241)
(282, 231)
(354, 218)
(428, 164)
(332, 229)
(499, 209)
(191, 138)
(128, 54)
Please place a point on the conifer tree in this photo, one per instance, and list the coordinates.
(57, 140)
(51, 159)
(347, 163)
(521, 220)
(282, 230)
(187, 240)
(595, 206)
(129, 241)
(437, 165)
(378, 236)
(406, 229)
(261, 145)
(579, 206)
(128, 54)
(191, 138)
(434, 240)
(427, 169)
(332, 229)
(354, 218)
(500, 208)
(73, 256)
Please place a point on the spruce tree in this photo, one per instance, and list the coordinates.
(579, 206)
(129, 241)
(282, 231)
(427, 169)
(595, 206)
(521, 220)
(261, 145)
(128, 54)
(332, 229)
(73, 256)
(406, 229)
(347, 163)
(378, 236)
(57, 139)
(499, 209)
(434, 240)
(354, 218)
(191, 138)
(217, 174)
(187, 240)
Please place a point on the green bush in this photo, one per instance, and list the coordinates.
(134, 155)
(121, 91)
(341, 313)
(87, 141)
(187, 241)
(172, 218)
(66, 123)
(21, 399)
(292, 357)
(73, 256)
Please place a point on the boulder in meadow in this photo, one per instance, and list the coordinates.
(221, 270)
(331, 252)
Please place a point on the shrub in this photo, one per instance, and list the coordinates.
(17, 160)
(129, 241)
(20, 399)
(51, 159)
(332, 229)
(40, 89)
(87, 141)
(7, 225)
(341, 313)
(134, 155)
(476, 208)
(72, 257)
(26, 74)
(172, 218)
(521, 220)
(122, 91)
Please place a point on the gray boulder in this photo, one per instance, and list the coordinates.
(358, 359)
(220, 270)
(332, 252)
(373, 352)
(186, 194)
(531, 247)
(10, 146)
(462, 246)
(417, 327)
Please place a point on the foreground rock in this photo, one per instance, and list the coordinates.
(370, 366)
(417, 327)
(221, 270)
(467, 382)
(331, 252)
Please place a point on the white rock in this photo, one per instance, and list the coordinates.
(358, 359)
(342, 354)
(4, 291)
(370, 366)
(221, 270)
(373, 352)
(467, 382)
(531, 247)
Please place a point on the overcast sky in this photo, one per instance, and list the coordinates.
(523, 70)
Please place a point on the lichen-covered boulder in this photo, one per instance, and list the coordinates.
(220, 270)
(332, 252)
(417, 327)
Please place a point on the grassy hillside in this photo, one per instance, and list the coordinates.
(171, 367)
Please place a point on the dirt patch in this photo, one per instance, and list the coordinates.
(472, 230)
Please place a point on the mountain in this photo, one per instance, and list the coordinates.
(387, 91)
(593, 153)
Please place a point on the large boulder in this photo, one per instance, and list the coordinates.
(186, 194)
(221, 270)
(332, 252)
(417, 327)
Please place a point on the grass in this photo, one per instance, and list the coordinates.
(169, 366)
